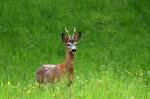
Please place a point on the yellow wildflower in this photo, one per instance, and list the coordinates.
(28, 91)
(8, 83)
(2, 84)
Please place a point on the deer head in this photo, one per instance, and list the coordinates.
(71, 42)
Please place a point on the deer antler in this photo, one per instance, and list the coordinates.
(67, 32)
(74, 29)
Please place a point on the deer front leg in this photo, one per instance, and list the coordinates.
(71, 76)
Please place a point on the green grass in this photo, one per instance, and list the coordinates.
(113, 57)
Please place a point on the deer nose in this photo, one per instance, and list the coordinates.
(73, 50)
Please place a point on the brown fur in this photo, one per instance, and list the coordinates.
(51, 73)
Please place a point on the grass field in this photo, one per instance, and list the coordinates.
(113, 57)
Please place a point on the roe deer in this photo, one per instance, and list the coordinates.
(49, 73)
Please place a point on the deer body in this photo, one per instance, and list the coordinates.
(49, 73)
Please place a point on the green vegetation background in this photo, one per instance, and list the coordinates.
(113, 57)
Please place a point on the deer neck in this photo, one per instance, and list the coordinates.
(69, 61)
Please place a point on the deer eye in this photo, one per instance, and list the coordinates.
(68, 44)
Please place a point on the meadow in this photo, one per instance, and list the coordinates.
(113, 56)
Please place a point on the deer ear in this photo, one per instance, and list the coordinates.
(65, 38)
(77, 36)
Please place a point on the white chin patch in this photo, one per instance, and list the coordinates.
(73, 52)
